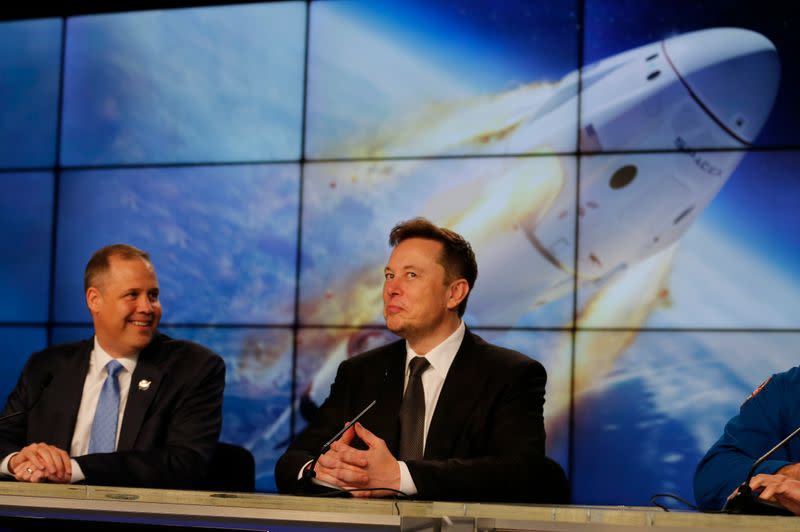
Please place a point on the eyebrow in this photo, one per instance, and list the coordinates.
(407, 267)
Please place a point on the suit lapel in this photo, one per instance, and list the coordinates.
(453, 406)
(145, 381)
(65, 392)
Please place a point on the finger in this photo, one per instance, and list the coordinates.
(768, 494)
(325, 475)
(66, 464)
(366, 436)
(354, 457)
(343, 474)
(352, 476)
(29, 454)
(38, 476)
(335, 464)
(348, 436)
(49, 454)
(42, 452)
(24, 471)
(763, 480)
(339, 446)
(330, 459)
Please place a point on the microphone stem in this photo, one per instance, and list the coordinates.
(309, 473)
(768, 454)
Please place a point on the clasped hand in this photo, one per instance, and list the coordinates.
(349, 468)
(40, 462)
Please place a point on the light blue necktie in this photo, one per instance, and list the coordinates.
(104, 426)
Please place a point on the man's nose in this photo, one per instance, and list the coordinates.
(144, 304)
(392, 286)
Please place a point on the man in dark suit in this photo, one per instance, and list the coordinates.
(129, 407)
(456, 418)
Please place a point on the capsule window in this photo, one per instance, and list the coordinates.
(683, 215)
(653, 75)
(623, 177)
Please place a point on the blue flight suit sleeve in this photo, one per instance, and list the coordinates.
(763, 420)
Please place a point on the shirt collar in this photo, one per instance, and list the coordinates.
(441, 357)
(100, 358)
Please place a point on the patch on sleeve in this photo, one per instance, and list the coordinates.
(760, 387)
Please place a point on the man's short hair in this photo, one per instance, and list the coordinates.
(99, 264)
(457, 256)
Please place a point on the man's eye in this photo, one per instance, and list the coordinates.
(388, 276)
(411, 275)
(153, 296)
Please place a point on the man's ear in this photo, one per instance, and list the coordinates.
(93, 299)
(458, 291)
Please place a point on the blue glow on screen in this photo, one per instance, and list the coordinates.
(18, 344)
(187, 85)
(26, 207)
(222, 239)
(414, 79)
(29, 78)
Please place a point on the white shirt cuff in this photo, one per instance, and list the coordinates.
(407, 485)
(300, 474)
(77, 472)
(4, 471)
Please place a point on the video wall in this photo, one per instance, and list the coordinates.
(626, 172)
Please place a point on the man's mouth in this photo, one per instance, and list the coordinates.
(142, 323)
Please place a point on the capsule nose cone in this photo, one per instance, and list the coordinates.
(733, 72)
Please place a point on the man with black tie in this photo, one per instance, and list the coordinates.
(456, 418)
(130, 406)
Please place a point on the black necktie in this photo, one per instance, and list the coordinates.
(412, 413)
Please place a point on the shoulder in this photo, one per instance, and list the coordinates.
(789, 378)
(377, 356)
(56, 355)
(182, 353)
(500, 358)
(785, 381)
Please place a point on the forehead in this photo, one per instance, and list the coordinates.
(123, 271)
(419, 252)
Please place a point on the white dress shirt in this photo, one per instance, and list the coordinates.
(92, 386)
(440, 358)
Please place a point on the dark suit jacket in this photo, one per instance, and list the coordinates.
(169, 431)
(486, 438)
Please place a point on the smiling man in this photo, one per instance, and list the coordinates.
(455, 418)
(130, 406)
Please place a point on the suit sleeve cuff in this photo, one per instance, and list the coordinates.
(77, 472)
(771, 467)
(407, 485)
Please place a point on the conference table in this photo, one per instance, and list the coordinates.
(31, 506)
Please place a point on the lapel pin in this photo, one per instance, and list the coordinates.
(144, 385)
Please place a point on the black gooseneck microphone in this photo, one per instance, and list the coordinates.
(309, 473)
(745, 501)
(42, 387)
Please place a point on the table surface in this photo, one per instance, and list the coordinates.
(261, 507)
